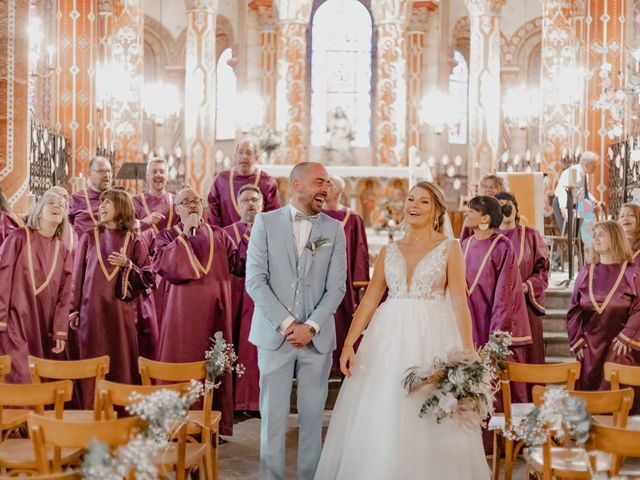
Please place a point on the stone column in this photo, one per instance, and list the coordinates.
(292, 116)
(484, 86)
(267, 37)
(76, 53)
(200, 93)
(127, 51)
(390, 100)
(105, 58)
(558, 54)
(418, 26)
(14, 101)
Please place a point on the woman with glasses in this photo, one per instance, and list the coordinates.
(111, 269)
(35, 298)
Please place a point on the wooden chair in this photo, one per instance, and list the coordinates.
(619, 442)
(46, 432)
(96, 368)
(566, 462)
(550, 373)
(180, 456)
(623, 375)
(5, 366)
(205, 422)
(17, 454)
(67, 475)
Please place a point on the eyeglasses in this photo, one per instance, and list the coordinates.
(103, 172)
(191, 203)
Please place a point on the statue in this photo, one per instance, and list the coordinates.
(339, 137)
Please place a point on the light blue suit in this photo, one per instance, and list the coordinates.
(309, 287)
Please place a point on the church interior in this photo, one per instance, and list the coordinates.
(534, 103)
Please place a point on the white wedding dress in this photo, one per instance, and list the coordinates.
(375, 432)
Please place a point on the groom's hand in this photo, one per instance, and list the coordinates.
(298, 335)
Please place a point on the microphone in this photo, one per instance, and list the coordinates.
(193, 231)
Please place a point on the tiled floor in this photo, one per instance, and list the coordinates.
(238, 459)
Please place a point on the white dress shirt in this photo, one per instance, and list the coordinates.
(563, 182)
(301, 232)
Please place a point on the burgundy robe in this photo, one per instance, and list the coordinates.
(145, 204)
(533, 260)
(247, 387)
(197, 299)
(35, 298)
(593, 332)
(223, 207)
(357, 276)
(104, 296)
(83, 211)
(8, 223)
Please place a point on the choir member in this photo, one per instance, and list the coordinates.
(247, 388)
(490, 186)
(8, 221)
(111, 269)
(603, 322)
(196, 261)
(533, 261)
(494, 286)
(629, 219)
(154, 208)
(67, 236)
(357, 263)
(84, 204)
(35, 298)
(223, 206)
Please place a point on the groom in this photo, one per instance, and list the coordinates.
(296, 272)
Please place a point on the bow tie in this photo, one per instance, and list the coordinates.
(300, 217)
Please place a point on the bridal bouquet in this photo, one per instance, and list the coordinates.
(461, 386)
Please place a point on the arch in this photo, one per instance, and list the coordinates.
(459, 91)
(462, 36)
(224, 35)
(226, 94)
(524, 40)
(341, 73)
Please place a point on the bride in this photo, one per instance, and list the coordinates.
(375, 432)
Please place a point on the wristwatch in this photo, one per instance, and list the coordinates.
(312, 330)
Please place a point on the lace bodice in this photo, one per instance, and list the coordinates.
(429, 275)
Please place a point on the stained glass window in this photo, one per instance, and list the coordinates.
(341, 38)
(225, 98)
(459, 93)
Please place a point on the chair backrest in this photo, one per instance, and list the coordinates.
(548, 373)
(170, 372)
(66, 475)
(96, 368)
(36, 396)
(616, 403)
(114, 394)
(621, 375)
(620, 442)
(45, 431)
(5, 366)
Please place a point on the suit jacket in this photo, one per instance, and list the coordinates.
(271, 273)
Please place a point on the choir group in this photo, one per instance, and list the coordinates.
(101, 272)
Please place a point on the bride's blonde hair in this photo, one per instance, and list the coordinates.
(437, 195)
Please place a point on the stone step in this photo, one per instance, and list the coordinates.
(555, 320)
(556, 344)
(560, 359)
(557, 299)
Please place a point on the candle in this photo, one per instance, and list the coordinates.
(573, 177)
(475, 173)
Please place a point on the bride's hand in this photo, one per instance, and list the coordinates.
(347, 358)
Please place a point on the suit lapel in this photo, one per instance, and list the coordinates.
(288, 236)
(315, 229)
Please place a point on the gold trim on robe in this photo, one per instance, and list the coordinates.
(32, 275)
(107, 275)
(233, 193)
(630, 341)
(601, 308)
(532, 296)
(484, 261)
(89, 209)
(149, 212)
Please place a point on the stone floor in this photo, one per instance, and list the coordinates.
(239, 457)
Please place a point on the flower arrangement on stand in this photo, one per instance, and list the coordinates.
(461, 387)
(221, 359)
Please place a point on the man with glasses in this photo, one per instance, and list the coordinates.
(247, 389)
(84, 204)
(196, 261)
(223, 206)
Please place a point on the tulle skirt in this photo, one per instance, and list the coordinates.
(375, 431)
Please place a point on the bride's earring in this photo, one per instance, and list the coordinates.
(483, 226)
(436, 224)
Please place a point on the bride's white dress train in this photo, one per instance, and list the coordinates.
(375, 432)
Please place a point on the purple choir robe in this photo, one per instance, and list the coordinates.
(247, 387)
(145, 204)
(636, 258)
(223, 207)
(83, 211)
(197, 299)
(8, 223)
(357, 275)
(533, 260)
(104, 296)
(593, 323)
(35, 298)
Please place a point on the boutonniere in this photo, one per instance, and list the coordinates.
(317, 244)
